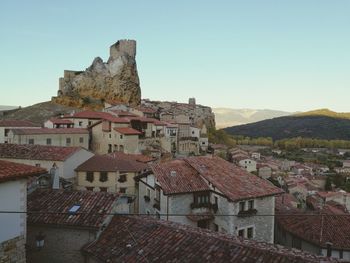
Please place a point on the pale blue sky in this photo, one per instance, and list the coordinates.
(288, 55)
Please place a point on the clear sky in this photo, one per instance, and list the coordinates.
(287, 55)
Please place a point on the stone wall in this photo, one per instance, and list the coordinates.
(60, 245)
(13, 250)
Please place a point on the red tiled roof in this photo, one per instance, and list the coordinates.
(50, 131)
(121, 113)
(13, 171)
(231, 180)
(17, 123)
(317, 228)
(186, 179)
(137, 157)
(90, 115)
(143, 119)
(116, 119)
(143, 239)
(110, 163)
(36, 152)
(60, 121)
(51, 207)
(127, 131)
(146, 110)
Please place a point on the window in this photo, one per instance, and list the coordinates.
(122, 190)
(80, 123)
(241, 233)
(48, 141)
(296, 243)
(6, 132)
(250, 204)
(241, 206)
(148, 192)
(90, 176)
(103, 189)
(110, 135)
(216, 200)
(121, 136)
(31, 141)
(122, 178)
(103, 177)
(37, 164)
(89, 123)
(68, 141)
(157, 193)
(109, 148)
(89, 188)
(81, 140)
(250, 232)
(201, 198)
(216, 227)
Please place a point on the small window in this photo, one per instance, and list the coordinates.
(216, 200)
(48, 141)
(122, 178)
(89, 123)
(90, 176)
(68, 141)
(241, 233)
(122, 190)
(31, 141)
(80, 123)
(81, 139)
(250, 204)
(216, 227)
(121, 136)
(37, 164)
(6, 132)
(148, 192)
(103, 177)
(110, 135)
(250, 232)
(241, 206)
(103, 189)
(89, 188)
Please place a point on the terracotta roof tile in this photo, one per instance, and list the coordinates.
(143, 239)
(110, 163)
(12, 171)
(60, 121)
(185, 179)
(36, 152)
(89, 115)
(231, 180)
(116, 119)
(318, 227)
(50, 131)
(127, 131)
(17, 123)
(51, 207)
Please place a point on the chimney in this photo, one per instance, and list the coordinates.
(56, 179)
(329, 249)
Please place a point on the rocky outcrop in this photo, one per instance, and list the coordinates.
(115, 80)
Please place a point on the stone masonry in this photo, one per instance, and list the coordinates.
(13, 250)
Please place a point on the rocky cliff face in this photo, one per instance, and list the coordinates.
(115, 80)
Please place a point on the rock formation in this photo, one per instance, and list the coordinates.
(116, 80)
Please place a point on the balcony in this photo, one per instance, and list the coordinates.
(199, 208)
(156, 204)
(247, 213)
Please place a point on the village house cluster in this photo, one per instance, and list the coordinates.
(143, 184)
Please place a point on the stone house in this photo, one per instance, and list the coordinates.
(322, 233)
(144, 239)
(248, 164)
(13, 197)
(200, 191)
(7, 125)
(75, 137)
(106, 139)
(65, 159)
(64, 221)
(55, 123)
(110, 173)
(84, 119)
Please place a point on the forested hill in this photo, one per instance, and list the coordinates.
(307, 126)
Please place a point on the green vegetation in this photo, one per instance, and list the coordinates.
(299, 142)
(310, 126)
(326, 112)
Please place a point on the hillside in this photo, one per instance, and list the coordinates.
(310, 126)
(38, 113)
(325, 112)
(227, 117)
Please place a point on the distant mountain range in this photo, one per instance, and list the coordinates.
(226, 117)
(5, 108)
(320, 124)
